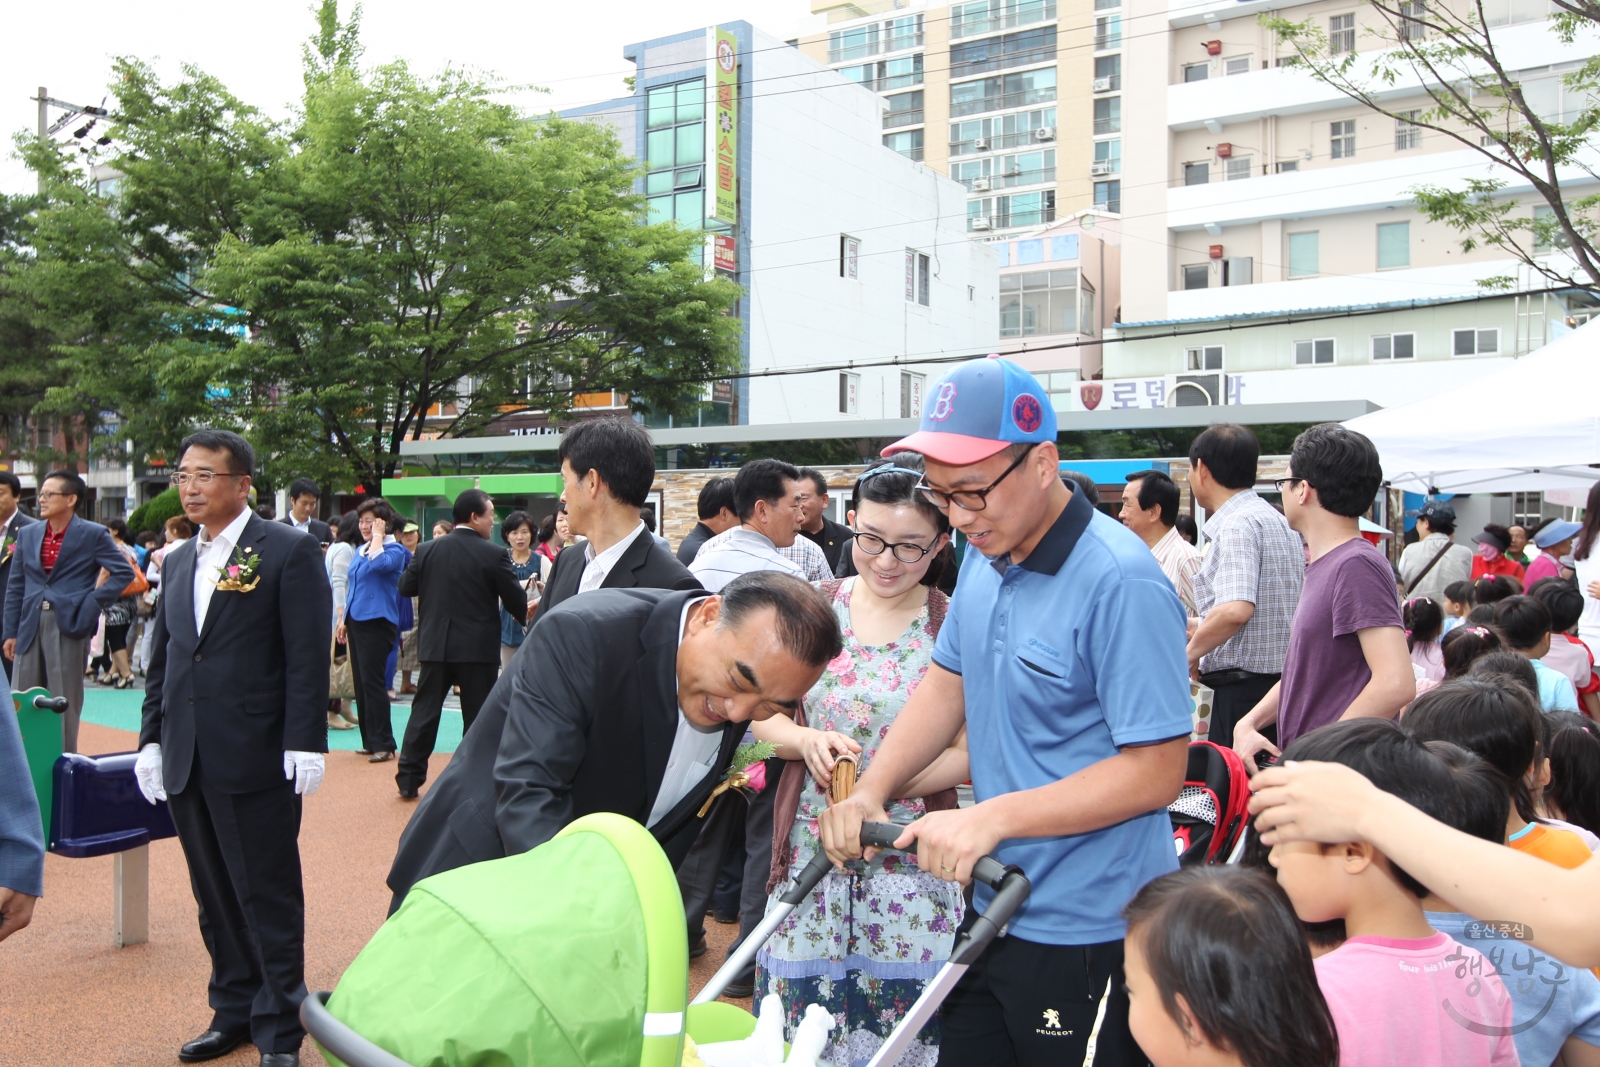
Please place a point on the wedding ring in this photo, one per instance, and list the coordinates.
(950, 870)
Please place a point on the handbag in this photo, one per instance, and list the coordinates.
(341, 683)
(140, 583)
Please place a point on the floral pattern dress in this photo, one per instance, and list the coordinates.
(870, 936)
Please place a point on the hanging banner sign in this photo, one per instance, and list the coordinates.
(725, 254)
(725, 130)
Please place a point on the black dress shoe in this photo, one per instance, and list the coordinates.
(280, 1059)
(380, 757)
(211, 1044)
(740, 990)
(697, 947)
(725, 920)
(408, 792)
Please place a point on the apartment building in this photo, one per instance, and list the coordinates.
(852, 256)
(1018, 100)
(1060, 287)
(1269, 219)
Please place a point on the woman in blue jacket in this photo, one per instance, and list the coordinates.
(371, 622)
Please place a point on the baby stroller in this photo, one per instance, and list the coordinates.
(572, 954)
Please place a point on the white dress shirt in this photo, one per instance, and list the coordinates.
(598, 566)
(211, 554)
(694, 750)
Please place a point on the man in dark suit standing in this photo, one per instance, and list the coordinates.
(303, 497)
(54, 595)
(815, 526)
(459, 580)
(630, 701)
(11, 520)
(716, 511)
(233, 737)
(607, 466)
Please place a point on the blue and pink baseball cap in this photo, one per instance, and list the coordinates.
(977, 409)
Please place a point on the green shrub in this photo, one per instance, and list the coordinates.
(154, 513)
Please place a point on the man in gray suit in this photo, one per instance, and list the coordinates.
(21, 832)
(55, 596)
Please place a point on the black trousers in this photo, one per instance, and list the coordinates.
(1236, 692)
(243, 853)
(731, 816)
(1034, 1005)
(370, 641)
(422, 732)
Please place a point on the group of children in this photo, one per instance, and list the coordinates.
(1344, 958)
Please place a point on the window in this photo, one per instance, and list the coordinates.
(986, 16)
(1412, 28)
(1006, 131)
(905, 109)
(849, 393)
(1102, 5)
(1407, 134)
(1040, 302)
(1005, 172)
(1107, 32)
(911, 386)
(1394, 346)
(1342, 33)
(908, 143)
(1313, 353)
(1475, 342)
(1236, 65)
(1343, 144)
(1108, 195)
(1546, 230)
(1197, 276)
(887, 74)
(1110, 68)
(1196, 72)
(1303, 254)
(1394, 245)
(1011, 90)
(917, 277)
(675, 149)
(997, 53)
(1288, 166)
(1512, 12)
(903, 32)
(1108, 114)
(1238, 270)
(1205, 357)
(1238, 167)
(849, 256)
(1018, 209)
(1196, 173)
(855, 43)
(1110, 154)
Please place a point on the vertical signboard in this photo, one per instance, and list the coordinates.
(725, 128)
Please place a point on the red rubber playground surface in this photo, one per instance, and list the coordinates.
(68, 997)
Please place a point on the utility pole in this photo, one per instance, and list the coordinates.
(49, 129)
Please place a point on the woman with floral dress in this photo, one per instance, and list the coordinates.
(871, 935)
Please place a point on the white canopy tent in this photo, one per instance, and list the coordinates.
(1534, 426)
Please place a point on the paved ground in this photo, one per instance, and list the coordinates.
(68, 997)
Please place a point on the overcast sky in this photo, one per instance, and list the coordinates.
(573, 48)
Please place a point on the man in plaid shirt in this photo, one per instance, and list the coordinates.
(1248, 584)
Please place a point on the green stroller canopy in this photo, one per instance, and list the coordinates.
(571, 954)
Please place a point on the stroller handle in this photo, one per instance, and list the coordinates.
(343, 1042)
(988, 870)
(55, 704)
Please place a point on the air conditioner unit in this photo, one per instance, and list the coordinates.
(1045, 133)
(1195, 390)
(1100, 167)
(980, 223)
(980, 185)
(1102, 85)
(980, 143)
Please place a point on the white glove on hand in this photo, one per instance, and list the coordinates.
(304, 769)
(147, 772)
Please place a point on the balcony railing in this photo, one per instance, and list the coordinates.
(1000, 102)
(1001, 53)
(1014, 179)
(970, 20)
(891, 119)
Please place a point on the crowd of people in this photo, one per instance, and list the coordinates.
(1400, 722)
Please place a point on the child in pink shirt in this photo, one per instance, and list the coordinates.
(1400, 991)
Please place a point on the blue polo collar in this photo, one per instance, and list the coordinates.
(1058, 542)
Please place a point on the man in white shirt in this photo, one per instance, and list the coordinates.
(303, 497)
(764, 493)
(607, 468)
(1150, 509)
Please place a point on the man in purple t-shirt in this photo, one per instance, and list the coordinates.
(1347, 650)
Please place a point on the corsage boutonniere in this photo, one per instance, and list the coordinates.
(239, 576)
(7, 547)
(748, 774)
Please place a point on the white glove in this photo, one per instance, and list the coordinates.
(147, 772)
(304, 769)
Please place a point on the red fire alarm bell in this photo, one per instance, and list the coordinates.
(1213, 48)
(1216, 251)
(1224, 150)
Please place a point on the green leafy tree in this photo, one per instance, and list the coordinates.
(1448, 51)
(406, 255)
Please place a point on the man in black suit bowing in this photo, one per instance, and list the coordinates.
(233, 736)
(629, 701)
(459, 580)
(607, 466)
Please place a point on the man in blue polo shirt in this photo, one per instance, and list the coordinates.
(1063, 655)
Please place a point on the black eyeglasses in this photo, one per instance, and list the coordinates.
(968, 499)
(904, 551)
(1279, 483)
